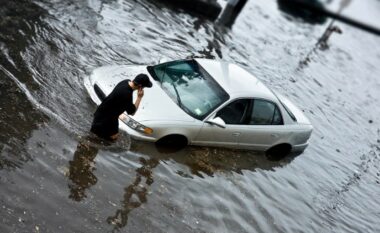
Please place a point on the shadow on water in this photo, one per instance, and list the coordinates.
(213, 49)
(293, 11)
(201, 9)
(322, 42)
(201, 162)
(82, 177)
(137, 188)
(81, 169)
(209, 161)
(82, 165)
(76, 40)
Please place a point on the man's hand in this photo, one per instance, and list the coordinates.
(123, 117)
(140, 93)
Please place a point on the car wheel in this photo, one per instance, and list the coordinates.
(278, 152)
(176, 141)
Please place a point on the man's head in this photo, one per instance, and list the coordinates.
(142, 80)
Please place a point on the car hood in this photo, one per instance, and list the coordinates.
(156, 105)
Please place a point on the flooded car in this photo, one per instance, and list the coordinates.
(207, 103)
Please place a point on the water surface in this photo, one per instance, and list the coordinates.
(55, 178)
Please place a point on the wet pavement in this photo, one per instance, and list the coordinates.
(54, 177)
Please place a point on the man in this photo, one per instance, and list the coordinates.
(105, 123)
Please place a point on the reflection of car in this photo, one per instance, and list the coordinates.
(206, 102)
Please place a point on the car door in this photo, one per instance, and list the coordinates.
(233, 115)
(264, 126)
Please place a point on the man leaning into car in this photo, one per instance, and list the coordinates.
(105, 123)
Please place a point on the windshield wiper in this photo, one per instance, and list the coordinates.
(178, 98)
(175, 89)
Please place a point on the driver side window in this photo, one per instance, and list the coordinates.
(235, 112)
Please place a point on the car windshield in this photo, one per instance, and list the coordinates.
(190, 86)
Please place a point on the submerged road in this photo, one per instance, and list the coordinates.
(51, 182)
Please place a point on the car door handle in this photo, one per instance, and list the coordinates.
(235, 134)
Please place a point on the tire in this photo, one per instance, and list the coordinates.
(278, 152)
(174, 141)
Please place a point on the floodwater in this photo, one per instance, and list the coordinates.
(53, 178)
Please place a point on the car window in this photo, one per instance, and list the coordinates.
(190, 86)
(277, 118)
(265, 113)
(235, 112)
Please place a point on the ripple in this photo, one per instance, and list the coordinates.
(49, 167)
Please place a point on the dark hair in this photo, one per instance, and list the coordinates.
(143, 80)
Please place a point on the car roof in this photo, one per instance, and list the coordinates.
(236, 81)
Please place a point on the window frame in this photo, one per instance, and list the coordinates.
(250, 110)
(276, 107)
(226, 95)
(231, 101)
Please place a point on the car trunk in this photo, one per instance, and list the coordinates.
(292, 109)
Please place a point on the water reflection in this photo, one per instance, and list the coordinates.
(208, 161)
(135, 194)
(82, 177)
(206, 9)
(214, 45)
(294, 10)
(201, 162)
(81, 169)
(230, 12)
(322, 43)
(85, 40)
(82, 166)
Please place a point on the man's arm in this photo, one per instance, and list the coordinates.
(140, 94)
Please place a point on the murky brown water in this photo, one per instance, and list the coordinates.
(52, 179)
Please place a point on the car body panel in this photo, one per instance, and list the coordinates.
(156, 104)
(299, 115)
(256, 137)
(212, 135)
(158, 110)
(262, 137)
(163, 128)
(236, 80)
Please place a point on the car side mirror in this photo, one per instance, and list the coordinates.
(218, 122)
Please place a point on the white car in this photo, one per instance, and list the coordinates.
(208, 103)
